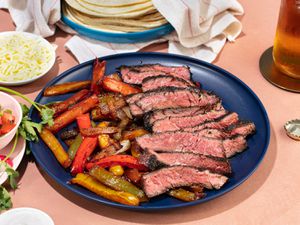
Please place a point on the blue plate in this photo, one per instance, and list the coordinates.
(236, 96)
(134, 37)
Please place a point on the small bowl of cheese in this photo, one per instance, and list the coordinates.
(24, 57)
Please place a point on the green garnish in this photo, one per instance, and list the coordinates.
(46, 112)
(5, 200)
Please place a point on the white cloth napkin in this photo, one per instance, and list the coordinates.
(34, 16)
(201, 27)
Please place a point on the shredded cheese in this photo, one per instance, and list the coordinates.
(22, 57)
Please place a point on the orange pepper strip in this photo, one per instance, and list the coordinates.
(95, 186)
(111, 84)
(67, 87)
(69, 116)
(65, 105)
(54, 145)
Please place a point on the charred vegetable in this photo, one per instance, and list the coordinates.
(95, 186)
(64, 88)
(116, 182)
(54, 145)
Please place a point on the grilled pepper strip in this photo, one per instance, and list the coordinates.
(183, 195)
(65, 105)
(111, 84)
(69, 116)
(123, 160)
(85, 149)
(84, 121)
(74, 146)
(93, 185)
(98, 74)
(95, 131)
(115, 182)
(132, 134)
(67, 87)
(54, 145)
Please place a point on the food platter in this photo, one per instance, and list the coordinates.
(236, 96)
(114, 37)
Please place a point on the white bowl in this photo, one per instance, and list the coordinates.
(25, 216)
(8, 102)
(44, 43)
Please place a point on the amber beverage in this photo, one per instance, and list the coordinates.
(286, 50)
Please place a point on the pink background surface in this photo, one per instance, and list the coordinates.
(269, 196)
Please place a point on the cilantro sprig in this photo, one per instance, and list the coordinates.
(5, 199)
(27, 129)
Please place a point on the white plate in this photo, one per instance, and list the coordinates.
(16, 157)
(47, 67)
(25, 216)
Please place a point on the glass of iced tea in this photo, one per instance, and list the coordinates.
(286, 50)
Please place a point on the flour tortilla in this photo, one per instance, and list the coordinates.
(120, 12)
(115, 3)
(113, 24)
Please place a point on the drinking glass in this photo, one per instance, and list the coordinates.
(286, 50)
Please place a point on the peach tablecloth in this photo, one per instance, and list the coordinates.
(269, 196)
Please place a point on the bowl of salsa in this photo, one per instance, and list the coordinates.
(10, 118)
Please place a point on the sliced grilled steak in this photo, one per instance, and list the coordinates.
(192, 142)
(151, 83)
(170, 97)
(155, 160)
(234, 145)
(242, 128)
(160, 181)
(131, 99)
(224, 122)
(179, 123)
(136, 74)
(178, 112)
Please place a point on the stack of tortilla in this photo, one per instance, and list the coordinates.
(114, 15)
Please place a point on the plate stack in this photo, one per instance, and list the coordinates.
(116, 16)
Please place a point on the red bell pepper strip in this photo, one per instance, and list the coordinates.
(69, 116)
(98, 74)
(122, 160)
(111, 84)
(68, 103)
(84, 121)
(86, 148)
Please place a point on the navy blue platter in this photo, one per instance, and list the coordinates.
(236, 96)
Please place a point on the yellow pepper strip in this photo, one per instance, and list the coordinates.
(93, 185)
(132, 134)
(104, 124)
(104, 141)
(54, 145)
(116, 170)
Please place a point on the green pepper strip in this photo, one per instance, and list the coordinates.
(74, 146)
(116, 183)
